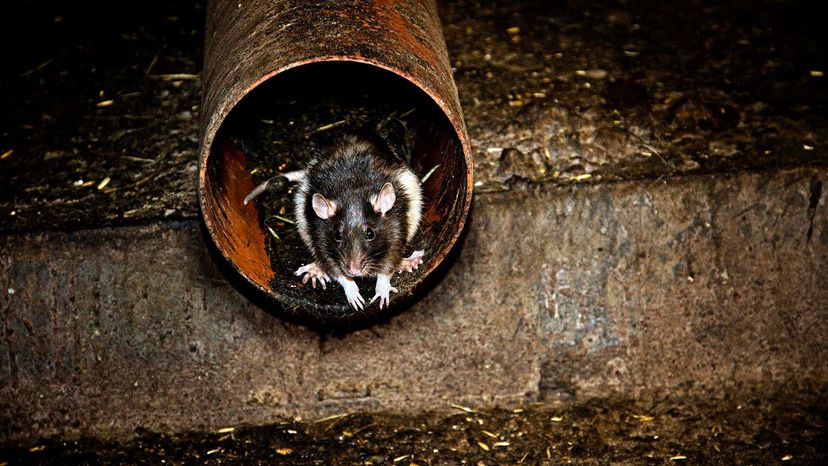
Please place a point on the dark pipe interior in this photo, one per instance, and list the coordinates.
(269, 132)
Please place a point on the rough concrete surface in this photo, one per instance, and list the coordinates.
(620, 90)
(708, 286)
(551, 91)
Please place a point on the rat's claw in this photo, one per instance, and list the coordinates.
(357, 303)
(412, 262)
(355, 299)
(313, 272)
(383, 299)
(383, 290)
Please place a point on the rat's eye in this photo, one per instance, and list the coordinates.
(338, 236)
(369, 234)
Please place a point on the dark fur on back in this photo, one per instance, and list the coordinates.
(349, 172)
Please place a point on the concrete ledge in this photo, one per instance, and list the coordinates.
(704, 286)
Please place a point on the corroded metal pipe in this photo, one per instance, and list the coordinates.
(249, 42)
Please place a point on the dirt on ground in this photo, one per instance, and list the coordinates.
(758, 432)
(99, 103)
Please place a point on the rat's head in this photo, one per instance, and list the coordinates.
(361, 231)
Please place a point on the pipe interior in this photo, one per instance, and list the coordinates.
(270, 132)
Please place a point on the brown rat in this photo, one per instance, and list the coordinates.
(357, 208)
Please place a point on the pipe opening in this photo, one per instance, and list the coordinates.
(272, 129)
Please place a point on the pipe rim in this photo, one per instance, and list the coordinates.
(225, 106)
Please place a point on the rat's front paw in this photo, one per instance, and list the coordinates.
(355, 299)
(412, 262)
(383, 290)
(313, 272)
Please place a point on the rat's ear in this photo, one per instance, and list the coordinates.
(324, 208)
(384, 201)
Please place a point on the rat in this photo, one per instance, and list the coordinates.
(357, 208)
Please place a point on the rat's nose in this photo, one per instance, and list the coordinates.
(355, 266)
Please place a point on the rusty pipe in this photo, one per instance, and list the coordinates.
(251, 42)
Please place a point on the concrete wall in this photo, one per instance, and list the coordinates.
(694, 286)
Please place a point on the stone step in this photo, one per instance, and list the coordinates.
(700, 286)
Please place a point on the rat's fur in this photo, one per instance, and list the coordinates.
(350, 174)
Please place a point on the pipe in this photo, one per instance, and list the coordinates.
(258, 49)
